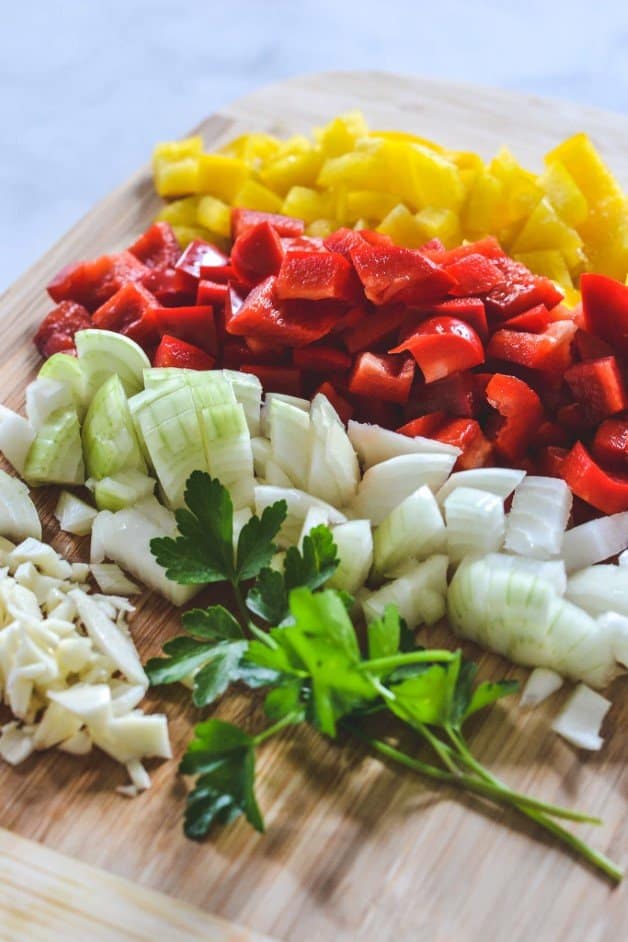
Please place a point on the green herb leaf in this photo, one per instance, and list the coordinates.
(185, 655)
(488, 692)
(460, 697)
(213, 679)
(423, 698)
(317, 562)
(212, 624)
(384, 634)
(268, 598)
(285, 700)
(255, 543)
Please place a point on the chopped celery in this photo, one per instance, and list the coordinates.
(123, 489)
(103, 353)
(109, 438)
(56, 456)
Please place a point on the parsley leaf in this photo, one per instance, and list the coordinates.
(315, 564)
(213, 679)
(255, 543)
(422, 698)
(384, 634)
(488, 692)
(212, 624)
(268, 598)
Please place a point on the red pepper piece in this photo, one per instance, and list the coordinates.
(550, 461)
(589, 347)
(521, 412)
(467, 435)
(172, 288)
(311, 244)
(443, 345)
(157, 247)
(286, 323)
(605, 308)
(195, 325)
(351, 319)
(317, 276)
(520, 291)
(605, 491)
(200, 255)
(343, 241)
(321, 359)
(93, 283)
(243, 219)
(457, 395)
(552, 433)
(175, 352)
(375, 327)
(488, 248)
(56, 332)
(549, 351)
(434, 248)
(211, 292)
(610, 445)
(223, 274)
(275, 378)
(574, 419)
(424, 425)
(340, 404)
(382, 377)
(377, 411)
(131, 311)
(599, 387)
(474, 275)
(534, 321)
(389, 273)
(257, 253)
(470, 310)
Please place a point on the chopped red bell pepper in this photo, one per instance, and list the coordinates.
(350, 319)
(130, 311)
(56, 332)
(424, 425)
(443, 345)
(467, 435)
(257, 253)
(598, 385)
(175, 352)
(521, 415)
(552, 433)
(171, 287)
(550, 461)
(434, 248)
(317, 276)
(603, 490)
(279, 379)
(474, 275)
(195, 325)
(470, 310)
(340, 404)
(382, 377)
(286, 323)
(610, 445)
(93, 283)
(549, 351)
(589, 347)
(573, 418)
(321, 359)
(377, 411)
(457, 395)
(157, 247)
(520, 291)
(389, 273)
(200, 255)
(243, 219)
(537, 319)
(489, 247)
(311, 244)
(211, 292)
(373, 328)
(343, 241)
(605, 308)
(223, 274)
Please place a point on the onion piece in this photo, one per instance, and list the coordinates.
(599, 589)
(386, 484)
(276, 476)
(540, 685)
(74, 515)
(374, 444)
(595, 541)
(354, 542)
(112, 581)
(475, 522)
(262, 453)
(43, 397)
(617, 626)
(108, 638)
(622, 559)
(580, 720)
(413, 530)
(538, 517)
(498, 481)
(419, 595)
(333, 469)
(315, 517)
(298, 505)
(18, 516)
(289, 433)
(551, 571)
(16, 437)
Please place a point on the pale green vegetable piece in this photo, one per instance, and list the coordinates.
(103, 353)
(109, 440)
(56, 455)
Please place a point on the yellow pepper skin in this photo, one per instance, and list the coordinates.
(214, 215)
(442, 224)
(292, 170)
(180, 212)
(171, 151)
(548, 262)
(254, 195)
(221, 176)
(402, 227)
(176, 177)
(564, 194)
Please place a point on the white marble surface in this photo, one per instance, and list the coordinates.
(87, 87)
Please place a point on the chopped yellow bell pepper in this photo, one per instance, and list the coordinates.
(321, 228)
(253, 195)
(180, 212)
(587, 168)
(564, 194)
(605, 234)
(171, 151)
(547, 262)
(253, 148)
(292, 170)
(369, 204)
(187, 234)
(176, 177)
(402, 227)
(306, 204)
(358, 169)
(478, 216)
(222, 176)
(545, 230)
(520, 190)
(340, 135)
(440, 224)
(408, 138)
(214, 215)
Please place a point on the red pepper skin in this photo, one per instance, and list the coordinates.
(434, 248)
(467, 435)
(93, 283)
(389, 273)
(340, 404)
(235, 352)
(443, 345)
(589, 347)
(537, 319)
(424, 425)
(605, 309)
(130, 311)
(276, 378)
(211, 292)
(574, 419)
(374, 328)
(288, 323)
(244, 219)
(382, 377)
(520, 291)
(457, 395)
(257, 253)
(317, 276)
(552, 433)
(157, 247)
(56, 332)
(195, 325)
(604, 491)
(489, 247)
(610, 445)
(172, 288)
(353, 317)
(321, 359)
(521, 411)
(376, 411)
(175, 352)
(474, 275)
(469, 310)
(311, 244)
(223, 274)
(199, 255)
(343, 241)
(550, 461)
(549, 351)
(599, 387)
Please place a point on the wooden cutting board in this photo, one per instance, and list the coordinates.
(354, 850)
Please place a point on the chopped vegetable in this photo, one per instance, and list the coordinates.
(580, 719)
(73, 515)
(18, 516)
(540, 685)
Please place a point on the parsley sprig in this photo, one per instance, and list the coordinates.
(295, 639)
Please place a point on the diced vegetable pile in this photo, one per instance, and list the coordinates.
(570, 218)
(463, 345)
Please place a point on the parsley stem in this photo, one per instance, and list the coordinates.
(286, 720)
(412, 657)
(242, 609)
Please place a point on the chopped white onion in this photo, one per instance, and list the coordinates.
(388, 483)
(374, 444)
(617, 627)
(595, 541)
(414, 530)
(298, 505)
(540, 685)
(581, 718)
(599, 589)
(74, 515)
(43, 397)
(498, 481)
(18, 516)
(262, 453)
(112, 581)
(333, 469)
(315, 517)
(551, 571)
(475, 522)
(622, 559)
(419, 595)
(289, 433)
(276, 476)
(538, 517)
(354, 542)
(16, 437)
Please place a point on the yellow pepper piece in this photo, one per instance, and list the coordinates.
(360, 169)
(402, 227)
(520, 190)
(466, 160)
(187, 234)
(547, 262)
(292, 170)
(587, 168)
(369, 204)
(253, 195)
(364, 224)
(171, 151)
(222, 176)
(306, 204)
(321, 228)
(479, 214)
(408, 138)
(544, 230)
(254, 149)
(572, 297)
(605, 234)
(564, 194)
(176, 177)
(214, 215)
(440, 224)
(437, 181)
(339, 136)
(180, 212)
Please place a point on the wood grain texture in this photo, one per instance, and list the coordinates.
(354, 850)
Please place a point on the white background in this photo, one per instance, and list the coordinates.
(87, 87)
